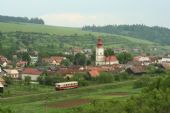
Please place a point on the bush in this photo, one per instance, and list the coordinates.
(142, 82)
(105, 78)
(83, 83)
(8, 80)
(50, 80)
(27, 80)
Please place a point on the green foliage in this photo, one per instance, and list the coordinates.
(122, 76)
(124, 57)
(80, 59)
(27, 80)
(25, 57)
(108, 52)
(50, 80)
(66, 62)
(8, 80)
(6, 110)
(21, 19)
(142, 82)
(105, 78)
(154, 34)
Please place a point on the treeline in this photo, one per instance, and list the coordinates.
(156, 34)
(21, 19)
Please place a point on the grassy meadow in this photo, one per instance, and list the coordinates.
(39, 99)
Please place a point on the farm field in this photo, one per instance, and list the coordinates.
(65, 101)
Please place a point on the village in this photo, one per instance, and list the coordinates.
(29, 67)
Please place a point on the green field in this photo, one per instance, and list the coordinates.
(46, 38)
(39, 99)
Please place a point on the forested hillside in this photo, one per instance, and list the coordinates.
(156, 34)
(21, 19)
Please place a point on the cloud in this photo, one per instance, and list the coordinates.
(79, 20)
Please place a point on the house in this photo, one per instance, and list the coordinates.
(21, 64)
(1, 88)
(165, 66)
(2, 81)
(94, 73)
(110, 60)
(87, 51)
(144, 60)
(164, 60)
(34, 57)
(31, 72)
(153, 59)
(120, 50)
(74, 51)
(2, 71)
(3, 61)
(22, 50)
(137, 70)
(34, 60)
(13, 73)
(54, 60)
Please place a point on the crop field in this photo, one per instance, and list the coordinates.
(40, 99)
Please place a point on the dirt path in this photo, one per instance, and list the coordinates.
(69, 103)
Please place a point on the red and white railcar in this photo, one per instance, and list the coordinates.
(66, 85)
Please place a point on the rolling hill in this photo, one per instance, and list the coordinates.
(52, 39)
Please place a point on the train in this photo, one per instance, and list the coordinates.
(66, 85)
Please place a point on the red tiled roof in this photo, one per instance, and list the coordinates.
(31, 71)
(94, 73)
(111, 58)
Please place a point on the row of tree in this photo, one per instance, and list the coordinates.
(21, 19)
(155, 34)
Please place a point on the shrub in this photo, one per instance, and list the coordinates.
(142, 82)
(27, 80)
(105, 78)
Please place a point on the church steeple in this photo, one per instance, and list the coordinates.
(99, 43)
(100, 52)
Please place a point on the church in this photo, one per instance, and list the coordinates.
(101, 59)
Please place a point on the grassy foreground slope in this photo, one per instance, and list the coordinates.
(52, 101)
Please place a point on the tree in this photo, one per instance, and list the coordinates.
(26, 57)
(27, 80)
(108, 52)
(105, 78)
(80, 59)
(124, 57)
(66, 62)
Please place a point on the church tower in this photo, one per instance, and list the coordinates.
(100, 53)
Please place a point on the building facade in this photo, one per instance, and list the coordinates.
(100, 58)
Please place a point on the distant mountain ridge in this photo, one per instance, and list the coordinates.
(156, 34)
(21, 19)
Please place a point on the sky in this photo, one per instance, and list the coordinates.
(78, 13)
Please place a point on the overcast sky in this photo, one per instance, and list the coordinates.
(77, 13)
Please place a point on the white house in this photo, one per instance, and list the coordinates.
(34, 59)
(164, 60)
(13, 73)
(31, 72)
(143, 59)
